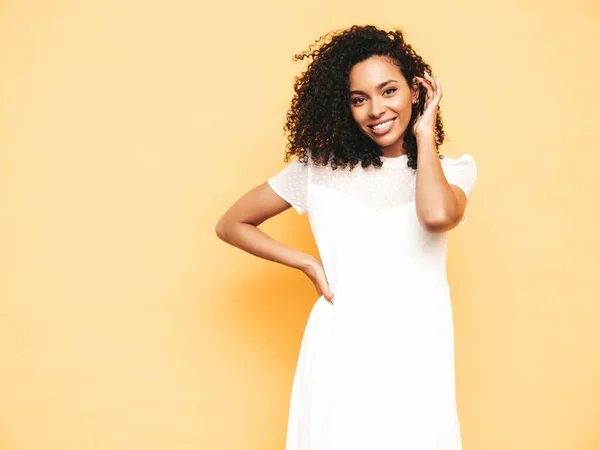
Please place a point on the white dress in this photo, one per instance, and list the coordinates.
(375, 369)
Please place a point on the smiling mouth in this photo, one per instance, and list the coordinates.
(383, 127)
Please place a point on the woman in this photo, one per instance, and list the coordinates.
(376, 364)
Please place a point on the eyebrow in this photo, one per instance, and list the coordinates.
(379, 86)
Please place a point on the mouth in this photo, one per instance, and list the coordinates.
(382, 127)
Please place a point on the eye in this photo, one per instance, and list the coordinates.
(390, 90)
(357, 100)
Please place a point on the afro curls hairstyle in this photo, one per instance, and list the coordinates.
(319, 122)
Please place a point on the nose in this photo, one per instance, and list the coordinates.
(376, 108)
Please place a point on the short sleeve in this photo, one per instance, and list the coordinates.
(291, 184)
(462, 172)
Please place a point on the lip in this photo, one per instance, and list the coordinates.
(380, 121)
(384, 130)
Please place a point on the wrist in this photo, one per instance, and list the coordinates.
(426, 135)
(305, 262)
(426, 144)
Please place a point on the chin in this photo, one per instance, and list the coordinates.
(387, 140)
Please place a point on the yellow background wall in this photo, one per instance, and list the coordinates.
(127, 129)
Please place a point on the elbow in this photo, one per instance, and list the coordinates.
(221, 230)
(438, 223)
(441, 219)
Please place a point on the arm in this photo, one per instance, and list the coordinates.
(440, 206)
(239, 227)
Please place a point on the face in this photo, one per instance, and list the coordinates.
(381, 102)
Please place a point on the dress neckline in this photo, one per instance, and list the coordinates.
(394, 160)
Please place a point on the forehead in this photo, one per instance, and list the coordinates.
(373, 71)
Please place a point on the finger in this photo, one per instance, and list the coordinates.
(432, 97)
(327, 293)
(428, 90)
(323, 285)
(429, 95)
(429, 78)
(438, 87)
(431, 91)
(426, 83)
(434, 84)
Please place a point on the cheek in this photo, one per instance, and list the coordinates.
(403, 111)
(402, 105)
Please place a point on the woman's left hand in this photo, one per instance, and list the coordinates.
(425, 122)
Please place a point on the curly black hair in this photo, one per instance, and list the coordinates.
(319, 121)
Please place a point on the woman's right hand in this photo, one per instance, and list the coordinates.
(315, 271)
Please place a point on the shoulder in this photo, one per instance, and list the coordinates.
(466, 159)
(463, 164)
(461, 171)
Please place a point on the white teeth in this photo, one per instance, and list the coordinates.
(382, 125)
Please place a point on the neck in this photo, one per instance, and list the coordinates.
(394, 150)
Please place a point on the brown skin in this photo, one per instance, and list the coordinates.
(375, 98)
(378, 92)
(239, 227)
